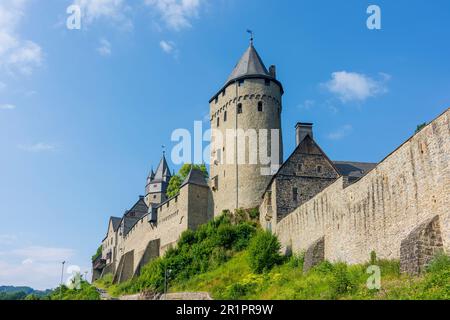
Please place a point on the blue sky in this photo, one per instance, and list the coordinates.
(83, 113)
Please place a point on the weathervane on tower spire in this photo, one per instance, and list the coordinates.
(252, 36)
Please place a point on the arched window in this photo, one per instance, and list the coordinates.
(239, 108)
(260, 106)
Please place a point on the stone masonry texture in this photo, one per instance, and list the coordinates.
(421, 245)
(376, 213)
(314, 255)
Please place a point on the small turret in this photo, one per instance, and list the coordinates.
(157, 183)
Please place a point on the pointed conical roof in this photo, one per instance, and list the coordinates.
(163, 171)
(250, 64)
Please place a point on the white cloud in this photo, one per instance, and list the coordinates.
(341, 133)
(352, 86)
(167, 46)
(176, 14)
(16, 55)
(104, 48)
(7, 107)
(114, 10)
(37, 266)
(38, 147)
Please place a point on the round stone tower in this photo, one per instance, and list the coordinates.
(246, 146)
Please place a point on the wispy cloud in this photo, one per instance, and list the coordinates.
(352, 86)
(7, 107)
(341, 133)
(45, 254)
(176, 14)
(16, 55)
(104, 48)
(114, 11)
(35, 266)
(307, 104)
(7, 239)
(37, 147)
(170, 48)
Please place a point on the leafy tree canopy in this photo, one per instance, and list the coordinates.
(175, 182)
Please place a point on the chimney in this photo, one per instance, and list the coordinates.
(302, 130)
(273, 71)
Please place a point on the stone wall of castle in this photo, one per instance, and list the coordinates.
(187, 210)
(250, 182)
(380, 211)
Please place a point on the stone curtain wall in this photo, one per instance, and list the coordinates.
(409, 187)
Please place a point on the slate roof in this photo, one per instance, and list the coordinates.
(139, 209)
(162, 172)
(129, 223)
(115, 223)
(304, 146)
(196, 177)
(250, 64)
(354, 169)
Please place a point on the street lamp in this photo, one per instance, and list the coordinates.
(166, 281)
(62, 278)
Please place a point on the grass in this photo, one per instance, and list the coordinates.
(219, 258)
(234, 280)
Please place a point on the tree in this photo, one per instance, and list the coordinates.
(264, 252)
(97, 254)
(175, 182)
(420, 127)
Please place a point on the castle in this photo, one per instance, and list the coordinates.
(334, 210)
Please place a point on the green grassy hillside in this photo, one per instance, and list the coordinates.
(232, 259)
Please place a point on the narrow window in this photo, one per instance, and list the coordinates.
(239, 108)
(267, 82)
(241, 82)
(260, 106)
(319, 169)
(294, 194)
(223, 92)
(218, 121)
(300, 167)
(217, 100)
(269, 198)
(225, 116)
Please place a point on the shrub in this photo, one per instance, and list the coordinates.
(236, 291)
(296, 260)
(244, 232)
(341, 282)
(373, 258)
(264, 252)
(441, 262)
